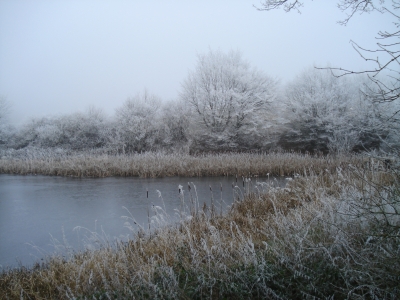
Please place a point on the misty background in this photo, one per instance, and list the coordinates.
(61, 57)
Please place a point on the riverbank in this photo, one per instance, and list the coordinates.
(328, 234)
(163, 165)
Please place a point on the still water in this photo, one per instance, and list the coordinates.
(37, 213)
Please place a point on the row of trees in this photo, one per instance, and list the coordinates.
(141, 124)
(226, 105)
(383, 71)
(335, 114)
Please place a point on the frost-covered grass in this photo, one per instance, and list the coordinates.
(331, 235)
(160, 165)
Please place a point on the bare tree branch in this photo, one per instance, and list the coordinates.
(275, 4)
(387, 60)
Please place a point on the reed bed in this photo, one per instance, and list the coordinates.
(163, 165)
(326, 235)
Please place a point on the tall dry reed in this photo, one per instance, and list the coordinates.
(162, 165)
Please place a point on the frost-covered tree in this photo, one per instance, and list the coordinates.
(229, 100)
(77, 131)
(84, 131)
(175, 122)
(383, 71)
(47, 133)
(5, 127)
(137, 122)
(392, 123)
(329, 114)
(28, 133)
(383, 119)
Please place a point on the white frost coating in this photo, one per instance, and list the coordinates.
(230, 99)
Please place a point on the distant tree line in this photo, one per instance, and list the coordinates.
(225, 105)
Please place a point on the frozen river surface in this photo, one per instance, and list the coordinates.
(39, 212)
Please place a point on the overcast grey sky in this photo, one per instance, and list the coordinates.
(59, 57)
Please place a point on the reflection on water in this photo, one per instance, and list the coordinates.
(36, 209)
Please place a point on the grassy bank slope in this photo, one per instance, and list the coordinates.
(161, 165)
(333, 235)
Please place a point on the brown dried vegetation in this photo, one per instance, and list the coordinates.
(331, 233)
(163, 165)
